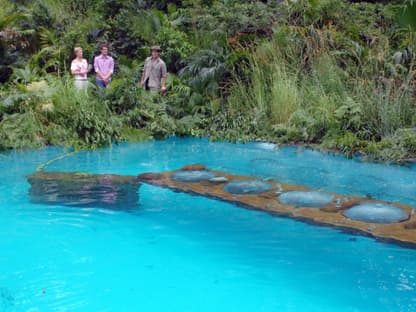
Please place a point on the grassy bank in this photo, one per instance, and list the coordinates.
(336, 74)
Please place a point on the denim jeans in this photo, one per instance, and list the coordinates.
(100, 83)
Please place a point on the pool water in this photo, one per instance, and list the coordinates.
(177, 252)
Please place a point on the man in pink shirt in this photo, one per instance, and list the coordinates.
(104, 67)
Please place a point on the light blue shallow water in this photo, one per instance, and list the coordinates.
(178, 252)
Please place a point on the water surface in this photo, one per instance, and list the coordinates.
(177, 252)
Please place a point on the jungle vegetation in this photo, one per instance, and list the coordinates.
(335, 74)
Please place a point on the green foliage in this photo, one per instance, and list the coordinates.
(13, 39)
(94, 130)
(349, 116)
(130, 31)
(314, 12)
(227, 17)
(124, 92)
(21, 131)
(176, 48)
(407, 16)
(54, 112)
(206, 69)
(399, 148)
(134, 135)
(236, 126)
(336, 73)
(348, 144)
(318, 82)
(90, 122)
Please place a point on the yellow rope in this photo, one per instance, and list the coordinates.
(42, 166)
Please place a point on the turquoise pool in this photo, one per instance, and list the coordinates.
(177, 252)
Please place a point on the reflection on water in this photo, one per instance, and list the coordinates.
(84, 190)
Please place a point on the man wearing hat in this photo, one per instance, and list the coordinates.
(154, 72)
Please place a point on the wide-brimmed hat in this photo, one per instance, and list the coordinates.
(155, 48)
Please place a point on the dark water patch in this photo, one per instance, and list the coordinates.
(6, 299)
(265, 160)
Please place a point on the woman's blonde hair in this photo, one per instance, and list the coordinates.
(76, 49)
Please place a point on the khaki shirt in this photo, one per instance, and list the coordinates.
(154, 71)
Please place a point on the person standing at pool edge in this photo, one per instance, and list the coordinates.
(104, 67)
(79, 69)
(154, 72)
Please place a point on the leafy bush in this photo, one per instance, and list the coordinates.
(95, 130)
(175, 48)
(21, 131)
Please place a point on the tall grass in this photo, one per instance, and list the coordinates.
(385, 106)
(320, 96)
(273, 89)
(284, 94)
(279, 90)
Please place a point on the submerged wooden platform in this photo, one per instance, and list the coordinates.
(403, 233)
(121, 192)
(78, 189)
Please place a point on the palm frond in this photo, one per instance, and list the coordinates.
(11, 20)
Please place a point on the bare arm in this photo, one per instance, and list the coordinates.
(164, 75)
(163, 81)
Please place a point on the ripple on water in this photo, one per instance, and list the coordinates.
(47, 286)
(91, 258)
(65, 218)
(6, 299)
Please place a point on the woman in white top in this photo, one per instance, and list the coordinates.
(79, 69)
